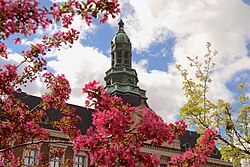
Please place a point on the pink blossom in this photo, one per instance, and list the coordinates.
(197, 156)
(114, 124)
(3, 50)
(23, 18)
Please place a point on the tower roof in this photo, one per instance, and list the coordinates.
(121, 36)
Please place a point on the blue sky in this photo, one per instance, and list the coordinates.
(163, 33)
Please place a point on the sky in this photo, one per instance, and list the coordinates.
(163, 33)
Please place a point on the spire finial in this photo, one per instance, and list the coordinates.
(121, 24)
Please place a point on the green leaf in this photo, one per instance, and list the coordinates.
(241, 85)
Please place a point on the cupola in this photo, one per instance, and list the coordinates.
(121, 79)
(121, 48)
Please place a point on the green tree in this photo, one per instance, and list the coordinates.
(202, 112)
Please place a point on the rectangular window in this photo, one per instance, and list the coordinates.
(79, 161)
(30, 157)
(55, 162)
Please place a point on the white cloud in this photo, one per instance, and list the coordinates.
(164, 92)
(77, 24)
(80, 64)
(26, 42)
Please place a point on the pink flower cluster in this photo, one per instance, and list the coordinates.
(3, 50)
(120, 131)
(61, 37)
(91, 8)
(8, 76)
(60, 93)
(197, 156)
(25, 17)
(60, 90)
(21, 16)
(164, 133)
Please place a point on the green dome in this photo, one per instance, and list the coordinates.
(121, 36)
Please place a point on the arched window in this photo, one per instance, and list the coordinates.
(127, 58)
(119, 57)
